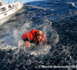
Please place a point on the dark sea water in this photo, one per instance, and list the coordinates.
(58, 21)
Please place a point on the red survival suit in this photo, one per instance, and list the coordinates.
(31, 36)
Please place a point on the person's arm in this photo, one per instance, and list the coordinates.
(25, 38)
(39, 43)
(27, 44)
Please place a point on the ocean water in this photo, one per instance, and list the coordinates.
(58, 21)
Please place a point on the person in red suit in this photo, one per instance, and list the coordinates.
(34, 36)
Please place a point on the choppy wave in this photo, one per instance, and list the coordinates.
(56, 19)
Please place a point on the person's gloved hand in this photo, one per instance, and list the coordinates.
(37, 43)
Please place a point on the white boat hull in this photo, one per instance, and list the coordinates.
(7, 14)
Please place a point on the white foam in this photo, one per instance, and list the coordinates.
(39, 50)
(14, 40)
(71, 3)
